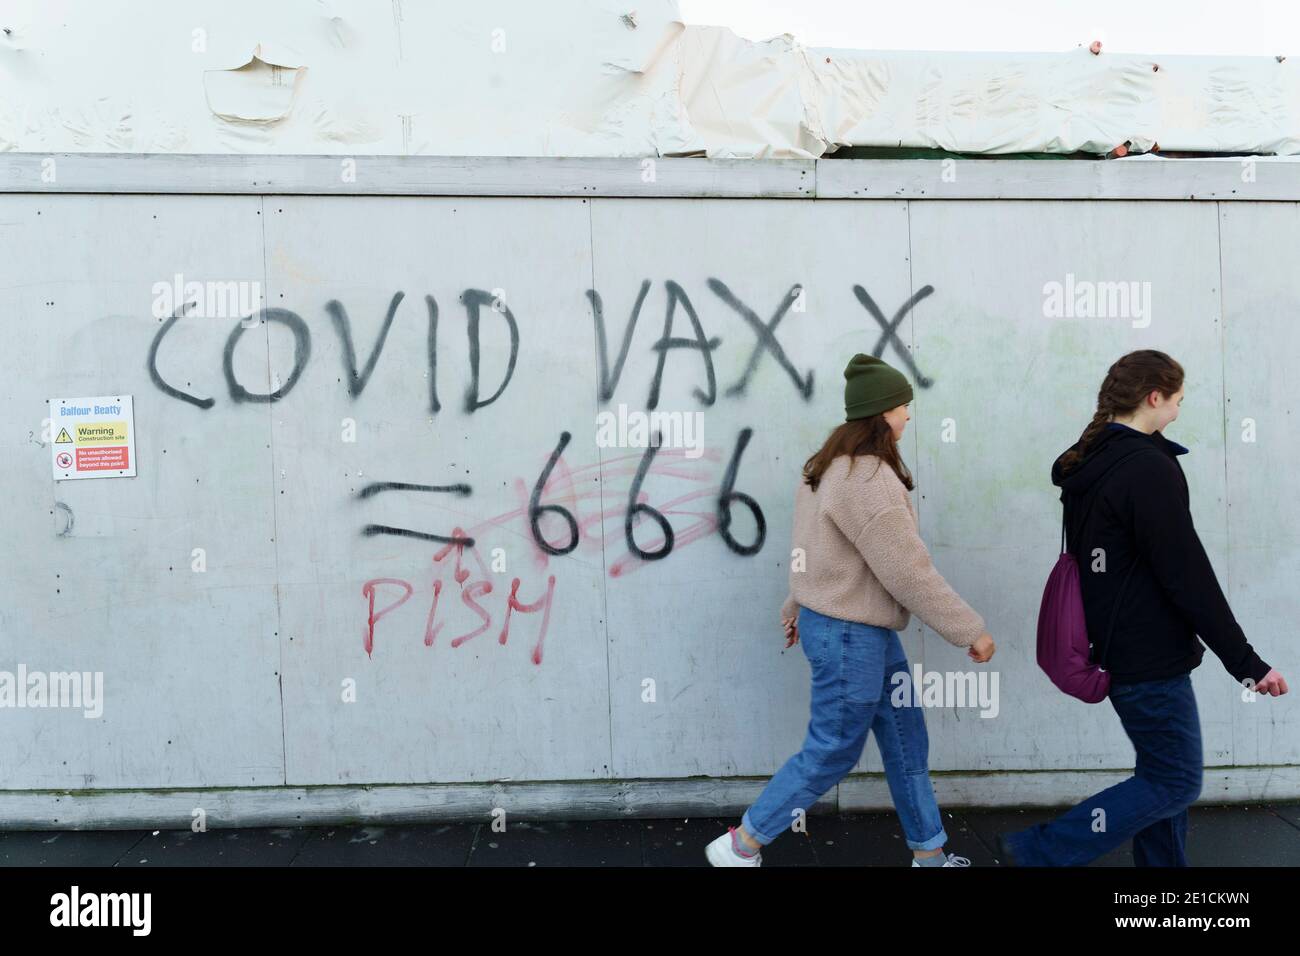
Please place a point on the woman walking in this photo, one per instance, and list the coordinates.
(863, 569)
(1142, 567)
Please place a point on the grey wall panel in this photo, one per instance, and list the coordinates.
(1261, 352)
(480, 709)
(1019, 385)
(705, 608)
(188, 658)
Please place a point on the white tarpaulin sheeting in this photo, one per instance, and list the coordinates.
(778, 98)
(583, 78)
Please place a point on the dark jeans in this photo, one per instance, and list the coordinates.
(1149, 807)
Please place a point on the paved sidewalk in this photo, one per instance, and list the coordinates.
(1241, 835)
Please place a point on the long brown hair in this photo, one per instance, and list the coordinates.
(1128, 382)
(862, 436)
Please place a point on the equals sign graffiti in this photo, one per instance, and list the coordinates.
(374, 488)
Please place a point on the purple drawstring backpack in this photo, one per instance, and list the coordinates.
(1063, 645)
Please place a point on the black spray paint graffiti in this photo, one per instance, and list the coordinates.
(357, 380)
(301, 353)
(764, 333)
(726, 498)
(890, 333)
(663, 346)
(67, 513)
(376, 487)
(766, 338)
(474, 300)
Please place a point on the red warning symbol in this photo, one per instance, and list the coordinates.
(63, 459)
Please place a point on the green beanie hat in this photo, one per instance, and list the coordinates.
(872, 386)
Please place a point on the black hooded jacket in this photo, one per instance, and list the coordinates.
(1139, 516)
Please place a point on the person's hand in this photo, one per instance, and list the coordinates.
(791, 631)
(1273, 684)
(982, 649)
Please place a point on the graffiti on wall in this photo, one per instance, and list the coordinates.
(564, 509)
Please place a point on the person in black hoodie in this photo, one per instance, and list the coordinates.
(1148, 591)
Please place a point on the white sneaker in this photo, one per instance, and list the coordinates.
(721, 852)
(953, 860)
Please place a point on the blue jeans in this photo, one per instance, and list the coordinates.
(852, 666)
(1149, 807)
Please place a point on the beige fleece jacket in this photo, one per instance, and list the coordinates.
(865, 560)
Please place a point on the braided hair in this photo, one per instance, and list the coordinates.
(1127, 384)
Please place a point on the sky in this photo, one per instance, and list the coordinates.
(1238, 28)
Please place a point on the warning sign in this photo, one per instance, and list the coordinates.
(101, 433)
(107, 433)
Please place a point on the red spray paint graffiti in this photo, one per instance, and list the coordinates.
(584, 511)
